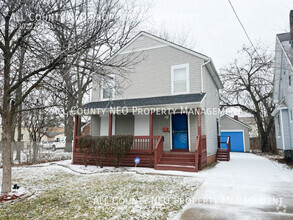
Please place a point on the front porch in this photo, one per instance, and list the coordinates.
(162, 148)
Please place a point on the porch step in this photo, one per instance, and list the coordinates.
(175, 167)
(182, 161)
(222, 155)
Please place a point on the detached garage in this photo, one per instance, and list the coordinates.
(238, 132)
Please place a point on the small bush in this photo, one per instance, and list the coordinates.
(115, 148)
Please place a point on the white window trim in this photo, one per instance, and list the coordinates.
(101, 90)
(186, 65)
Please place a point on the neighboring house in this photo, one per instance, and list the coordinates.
(25, 136)
(168, 77)
(237, 131)
(283, 91)
(53, 134)
(250, 121)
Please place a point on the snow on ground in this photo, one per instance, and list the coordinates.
(68, 191)
(249, 186)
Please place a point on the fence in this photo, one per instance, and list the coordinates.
(26, 152)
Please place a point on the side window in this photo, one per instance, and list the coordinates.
(290, 80)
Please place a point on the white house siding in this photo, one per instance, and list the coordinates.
(95, 125)
(125, 124)
(160, 121)
(152, 75)
(284, 99)
(279, 139)
(211, 101)
(142, 42)
(193, 131)
(289, 102)
(286, 130)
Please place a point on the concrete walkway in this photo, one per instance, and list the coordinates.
(247, 187)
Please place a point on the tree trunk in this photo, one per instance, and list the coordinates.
(69, 124)
(7, 139)
(35, 152)
(69, 133)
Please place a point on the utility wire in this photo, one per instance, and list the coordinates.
(243, 28)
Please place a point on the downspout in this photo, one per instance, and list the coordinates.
(201, 74)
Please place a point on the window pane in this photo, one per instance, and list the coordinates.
(180, 86)
(180, 74)
(107, 93)
(108, 88)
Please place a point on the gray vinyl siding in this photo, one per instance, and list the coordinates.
(95, 125)
(142, 42)
(210, 102)
(193, 131)
(159, 121)
(289, 102)
(151, 76)
(283, 70)
(279, 140)
(229, 124)
(286, 129)
(124, 124)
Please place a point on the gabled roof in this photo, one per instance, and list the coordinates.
(210, 65)
(236, 121)
(284, 40)
(141, 102)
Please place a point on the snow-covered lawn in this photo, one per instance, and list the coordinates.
(62, 192)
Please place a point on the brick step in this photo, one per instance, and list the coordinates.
(176, 167)
(177, 163)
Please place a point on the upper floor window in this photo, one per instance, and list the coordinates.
(108, 86)
(290, 80)
(180, 79)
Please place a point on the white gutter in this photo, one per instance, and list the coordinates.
(201, 74)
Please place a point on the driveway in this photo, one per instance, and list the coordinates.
(247, 187)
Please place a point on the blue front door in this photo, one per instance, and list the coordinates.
(179, 132)
(236, 140)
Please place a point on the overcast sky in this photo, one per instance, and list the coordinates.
(213, 28)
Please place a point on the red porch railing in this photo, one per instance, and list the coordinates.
(227, 144)
(197, 150)
(142, 143)
(228, 147)
(159, 150)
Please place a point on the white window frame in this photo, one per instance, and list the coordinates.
(180, 66)
(101, 90)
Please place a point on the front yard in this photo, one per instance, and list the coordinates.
(64, 194)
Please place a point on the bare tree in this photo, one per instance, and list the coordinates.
(32, 24)
(248, 84)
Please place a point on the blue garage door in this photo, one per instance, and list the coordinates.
(236, 140)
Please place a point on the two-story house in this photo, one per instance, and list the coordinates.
(283, 91)
(169, 103)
